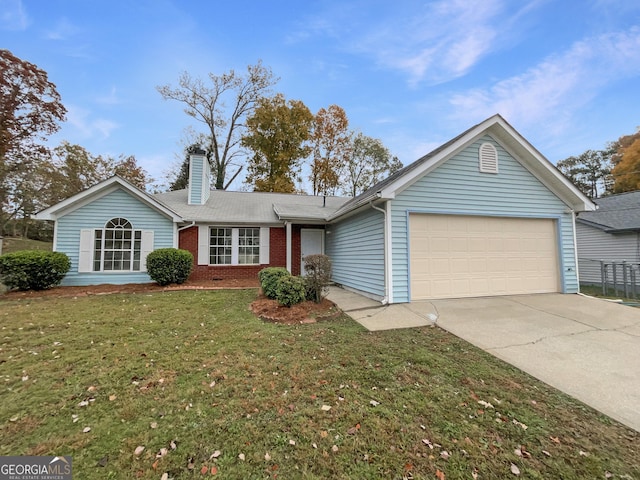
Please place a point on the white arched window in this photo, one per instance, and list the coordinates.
(117, 247)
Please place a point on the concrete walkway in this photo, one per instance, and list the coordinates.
(586, 347)
(373, 316)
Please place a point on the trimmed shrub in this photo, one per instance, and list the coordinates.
(169, 265)
(290, 290)
(318, 276)
(33, 269)
(269, 277)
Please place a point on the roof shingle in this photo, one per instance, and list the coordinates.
(615, 212)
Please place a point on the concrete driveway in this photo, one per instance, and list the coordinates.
(586, 347)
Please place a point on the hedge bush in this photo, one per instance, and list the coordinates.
(290, 290)
(318, 276)
(33, 269)
(269, 277)
(169, 265)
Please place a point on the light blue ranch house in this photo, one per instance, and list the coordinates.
(483, 214)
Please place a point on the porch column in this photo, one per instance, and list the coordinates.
(288, 226)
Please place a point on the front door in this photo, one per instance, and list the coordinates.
(311, 243)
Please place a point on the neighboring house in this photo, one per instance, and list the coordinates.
(609, 234)
(484, 214)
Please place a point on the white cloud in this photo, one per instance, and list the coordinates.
(436, 42)
(85, 127)
(109, 99)
(431, 42)
(13, 15)
(62, 30)
(554, 89)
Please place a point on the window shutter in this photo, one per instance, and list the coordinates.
(146, 247)
(85, 257)
(235, 245)
(488, 158)
(264, 245)
(203, 245)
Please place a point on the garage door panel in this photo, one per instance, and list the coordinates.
(463, 256)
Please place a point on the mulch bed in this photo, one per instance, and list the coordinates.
(305, 312)
(106, 289)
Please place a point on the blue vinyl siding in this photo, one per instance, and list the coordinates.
(94, 215)
(195, 185)
(457, 187)
(356, 248)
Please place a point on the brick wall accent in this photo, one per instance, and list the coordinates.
(188, 240)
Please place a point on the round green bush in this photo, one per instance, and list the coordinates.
(269, 277)
(33, 269)
(169, 265)
(290, 290)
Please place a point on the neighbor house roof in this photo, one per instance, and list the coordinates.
(99, 190)
(252, 208)
(502, 132)
(615, 213)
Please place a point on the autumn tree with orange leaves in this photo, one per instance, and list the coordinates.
(626, 161)
(30, 110)
(277, 134)
(330, 142)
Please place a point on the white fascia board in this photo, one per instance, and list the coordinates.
(520, 149)
(390, 191)
(97, 191)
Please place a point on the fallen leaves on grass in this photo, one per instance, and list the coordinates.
(521, 451)
(520, 424)
(354, 429)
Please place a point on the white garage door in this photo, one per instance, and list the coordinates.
(471, 256)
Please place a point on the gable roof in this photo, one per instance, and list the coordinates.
(251, 208)
(99, 190)
(510, 140)
(615, 213)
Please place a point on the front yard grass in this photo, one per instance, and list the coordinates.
(201, 383)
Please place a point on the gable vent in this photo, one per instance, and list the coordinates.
(488, 158)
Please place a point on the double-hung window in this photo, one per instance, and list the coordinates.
(233, 245)
(117, 247)
(220, 246)
(248, 246)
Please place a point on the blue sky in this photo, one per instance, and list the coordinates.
(564, 73)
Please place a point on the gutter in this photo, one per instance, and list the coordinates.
(385, 299)
(192, 224)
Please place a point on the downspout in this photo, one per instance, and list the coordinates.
(575, 250)
(385, 300)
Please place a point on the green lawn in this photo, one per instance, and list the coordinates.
(13, 244)
(199, 382)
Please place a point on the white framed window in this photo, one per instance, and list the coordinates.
(248, 246)
(488, 158)
(118, 247)
(224, 245)
(220, 246)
